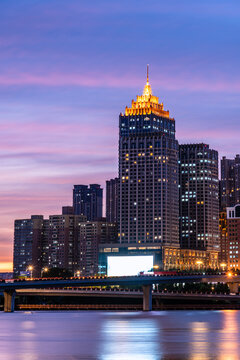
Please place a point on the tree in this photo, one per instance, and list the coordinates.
(57, 272)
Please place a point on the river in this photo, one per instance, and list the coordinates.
(90, 335)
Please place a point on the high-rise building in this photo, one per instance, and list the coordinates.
(67, 210)
(112, 200)
(148, 172)
(29, 235)
(233, 236)
(199, 204)
(223, 255)
(88, 201)
(230, 182)
(148, 181)
(62, 243)
(90, 235)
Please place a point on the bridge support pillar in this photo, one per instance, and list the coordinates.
(233, 287)
(9, 300)
(147, 297)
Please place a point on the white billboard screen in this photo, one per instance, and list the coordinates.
(128, 265)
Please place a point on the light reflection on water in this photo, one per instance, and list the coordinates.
(135, 339)
(173, 335)
(199, 345)
(229, 338)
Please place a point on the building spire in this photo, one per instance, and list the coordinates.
(146, 103)
(147, 92)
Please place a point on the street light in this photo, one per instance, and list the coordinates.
(45, 269)
(199, 263)
(78, 273)
(223, 265)
(30, 268)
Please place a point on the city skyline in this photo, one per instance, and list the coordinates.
(50, 106)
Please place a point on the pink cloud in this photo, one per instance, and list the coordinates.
(168, 79)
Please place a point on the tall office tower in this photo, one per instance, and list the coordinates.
(223, 255)
(62, 241)
(112, 200)
(199, 204)
(88, 201)
(230, 182)
(148, 172)
(90, 235)
(28, 238)
(233, 236)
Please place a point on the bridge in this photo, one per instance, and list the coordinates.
(145, 282)
(162, 299)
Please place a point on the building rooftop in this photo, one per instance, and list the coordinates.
(146, 103)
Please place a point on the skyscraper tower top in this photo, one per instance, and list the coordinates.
(146, 103)
(147, 91)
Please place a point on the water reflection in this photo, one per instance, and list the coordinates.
(129, 339)
(174, 335)
(27, 340)
(229, 336)
(199, 346)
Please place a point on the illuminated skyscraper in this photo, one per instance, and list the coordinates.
(87, 201)
(112, 200)
(230, 182)
(199, 197)
(233, 236)
(148, 173)
(62, 246)
(29, 236)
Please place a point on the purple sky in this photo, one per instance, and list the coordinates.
(68, 68)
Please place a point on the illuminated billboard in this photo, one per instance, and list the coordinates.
(128, 265)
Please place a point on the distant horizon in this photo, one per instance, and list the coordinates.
(69, 69)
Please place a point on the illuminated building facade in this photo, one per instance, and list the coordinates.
(189, 259)
(62, 244)
(223, 255)
(112, 200)
(29, 235)
(148, 173)
(233, 236)
(90, 235)
(88, 201)
(230, 182)
(148, 182)
(199, 197)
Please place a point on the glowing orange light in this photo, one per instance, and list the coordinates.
(146, 103)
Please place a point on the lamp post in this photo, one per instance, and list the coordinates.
(45, 269)
(30, 268)
(78, 273)
(223, 265)
(199, 263)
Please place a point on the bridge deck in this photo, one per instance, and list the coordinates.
(121, 281)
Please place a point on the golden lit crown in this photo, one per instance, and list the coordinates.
(147, 91)
(146, 103)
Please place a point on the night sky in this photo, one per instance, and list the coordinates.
(68, 68)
